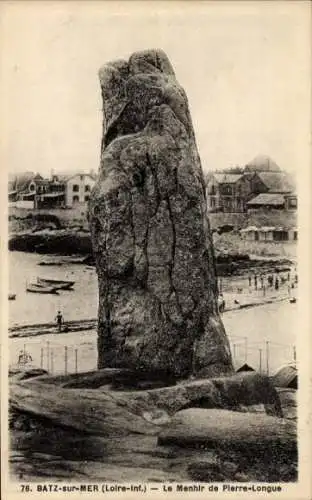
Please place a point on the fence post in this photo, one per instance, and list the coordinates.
(65, 359)
(41, 358)
(294, 354)
(267, 357)
(76, 360)
(48, 355)
(260, 361)
(52, 361)
(234, 351)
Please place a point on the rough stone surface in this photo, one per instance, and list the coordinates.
(229, 430)
(76, 427)
(150, 233)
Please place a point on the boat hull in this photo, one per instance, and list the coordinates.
(35, 288)
(57, 284)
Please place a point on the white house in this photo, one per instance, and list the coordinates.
(78, 187)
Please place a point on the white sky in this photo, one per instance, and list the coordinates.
(244, 66)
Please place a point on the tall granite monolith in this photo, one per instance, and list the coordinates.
(150, 232)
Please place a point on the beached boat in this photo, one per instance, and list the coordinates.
(58, 284)
(36, 288)
(64, 260)
(12, 296)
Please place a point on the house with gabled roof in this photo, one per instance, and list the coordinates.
(77, 186)
(222, 193)
(238, 192)
(277, 182)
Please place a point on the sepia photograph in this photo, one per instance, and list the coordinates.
(154, 155)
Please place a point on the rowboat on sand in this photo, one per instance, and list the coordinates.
(36, 288)
(57, 284)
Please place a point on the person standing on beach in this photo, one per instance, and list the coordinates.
(276, 283)
(261, 280)
(256, 282)
(59, 320)
(249, 280)
(221, 303)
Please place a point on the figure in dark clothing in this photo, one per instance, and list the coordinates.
(270, 280)
(276, 283)
(249, 280)
(221, 303)
(261, 281)
(24, 358)
(59, 320)
(256, 282)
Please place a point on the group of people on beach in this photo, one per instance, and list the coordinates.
(264, 282)
(272, 281)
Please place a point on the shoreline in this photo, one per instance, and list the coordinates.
(38, 329)
(64, 244)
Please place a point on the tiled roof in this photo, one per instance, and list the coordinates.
(267, 199)
(277, 182)
(227, 178)
(23, 179)
(65, 176)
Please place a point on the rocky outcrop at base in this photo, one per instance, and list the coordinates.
(226, 429)
(146, 435)
(62, 241)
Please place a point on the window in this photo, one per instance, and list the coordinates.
(75, 199)
(76, 188)
(87, 198)
(31, 187)
(81, 177)
(87, 188)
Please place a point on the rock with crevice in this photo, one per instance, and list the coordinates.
(150, 233)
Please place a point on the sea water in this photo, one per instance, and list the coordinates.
(263, 336)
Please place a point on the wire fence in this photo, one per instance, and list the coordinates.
(263, 356)
(57, 359)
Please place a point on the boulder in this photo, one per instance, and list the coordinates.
(250, 433)
(150, 232)
(249, 389)
(288, 399)
(19, 374)
(242, 392)
(87, 411)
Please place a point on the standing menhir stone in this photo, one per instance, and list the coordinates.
(150, 232)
